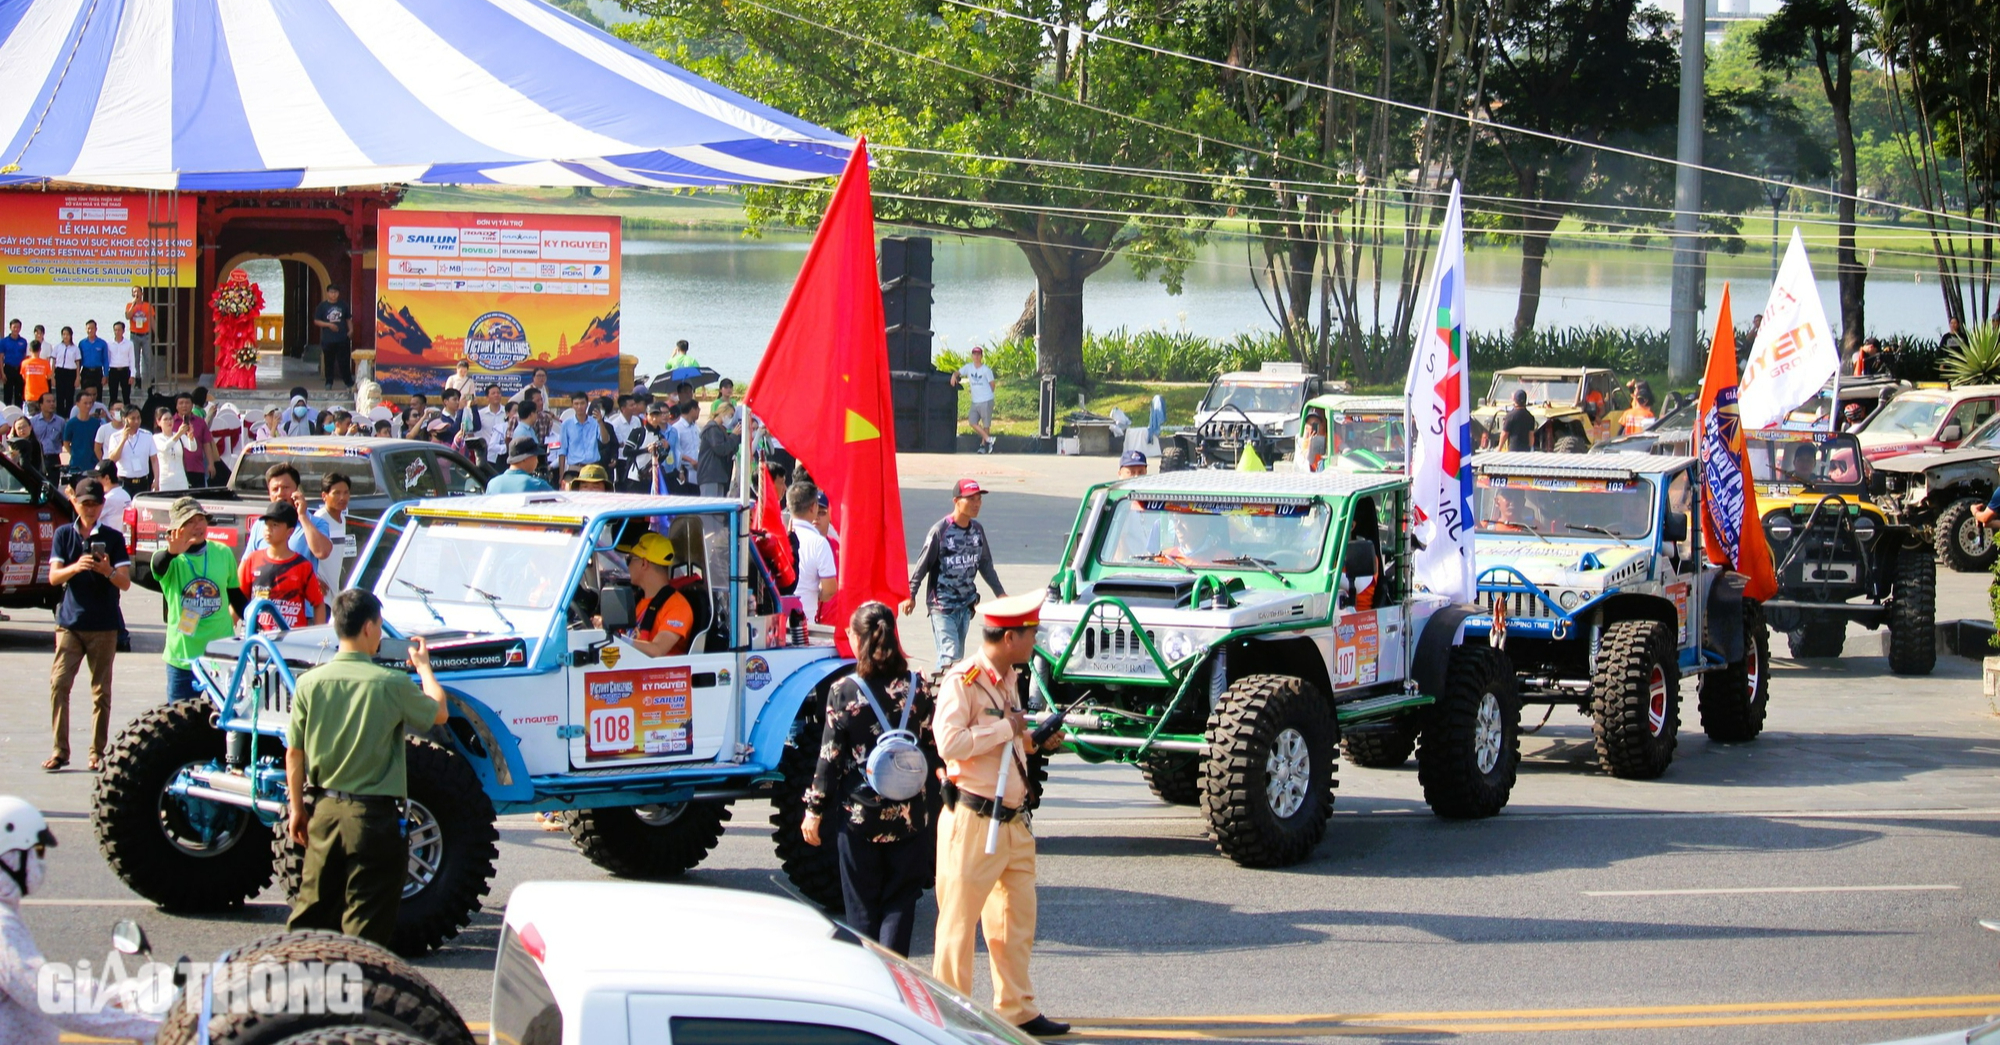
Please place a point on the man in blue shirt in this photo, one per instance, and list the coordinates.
(579, 435)
(520, 475)
(80, 435)
(13, 349)
(96, 354)
(281, 485)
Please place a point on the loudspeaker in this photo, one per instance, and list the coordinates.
(910, 350)
(907, 304)
(906, 257)
(926, 409)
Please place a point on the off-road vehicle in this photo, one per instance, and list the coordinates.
(1595, 567)
(1242, 409)
(1839, 556)
(1352, 433)
(1934, 493)
(1927, 419)
(1573, 406)
(522, 598)
(1227, 631)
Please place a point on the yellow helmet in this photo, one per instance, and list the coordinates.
(652, 547)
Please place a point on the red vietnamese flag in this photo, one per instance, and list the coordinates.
(1735, 528)
(823, 391)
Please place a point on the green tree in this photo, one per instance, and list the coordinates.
(1827, 37)
(989, 126)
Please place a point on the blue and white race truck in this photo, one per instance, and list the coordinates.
(521, 598)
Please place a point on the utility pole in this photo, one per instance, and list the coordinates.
(1682, 362)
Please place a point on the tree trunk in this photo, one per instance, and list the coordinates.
(1535, 232)
(1024, 327)
(1061, 264)
(1850, 274)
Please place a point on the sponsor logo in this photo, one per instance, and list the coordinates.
(610, 691)
(534, 720)
(496, 341)
(21, 543)
(756, 673)
(200, 597)
(610, 656)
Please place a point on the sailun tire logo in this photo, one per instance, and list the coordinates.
(496, 341)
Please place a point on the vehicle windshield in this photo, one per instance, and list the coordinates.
(520, 564)
(963, 1018)
(1587, 508)
(1803, 459)
(1540, 390)
(1255, 397)
(312, 471)
(1378, 433)
(1913, 416)
(1986, 436)
(1206, 534)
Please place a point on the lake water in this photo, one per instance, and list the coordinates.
(723, 293)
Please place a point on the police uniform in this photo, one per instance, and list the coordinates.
(975, 888)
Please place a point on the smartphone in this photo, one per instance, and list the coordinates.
(394, 649)
(97, 548)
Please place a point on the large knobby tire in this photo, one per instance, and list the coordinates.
(183, 854)
(1962, 541)
(1267, 784)
(394, 996)
(1913, 614)
(1378, 745)
(1636, 699)
(354, 1035)
(1173, 459)
(452, 838)
(1174, 778)
(651, 842)
(1733, 700)
(1470, 748)
(1817, 636)
(1572, 444)
(814, 870)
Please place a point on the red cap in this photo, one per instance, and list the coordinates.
(968, 488)
(1013, 611)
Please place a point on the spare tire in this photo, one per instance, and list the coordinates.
(393, 996)
(354, 1035)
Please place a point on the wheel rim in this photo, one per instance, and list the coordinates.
(1972, 539)
(660, 815)
(426, 848)
(1656, 701)
(1287, 773)
(197, 827)
(1487, 733)
(1753, 671)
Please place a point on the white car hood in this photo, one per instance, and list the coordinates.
(1560, 564)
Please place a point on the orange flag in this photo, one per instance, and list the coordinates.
(823, 391)
(1735, 528)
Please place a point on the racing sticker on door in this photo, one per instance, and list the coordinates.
(1357, 650)
(1679, 593)
(21, 556)
(643, 713)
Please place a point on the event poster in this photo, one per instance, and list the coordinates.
(100, 239)
(638, 713)
(508, 292)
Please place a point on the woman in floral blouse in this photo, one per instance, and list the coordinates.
(886, 847)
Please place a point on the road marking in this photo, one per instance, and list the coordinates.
(131, 902)
(1421, 813)
(1777, 889)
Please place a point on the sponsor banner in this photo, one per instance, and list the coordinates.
(509, 293)
(638, 713)
(482, 656)
(96, 239)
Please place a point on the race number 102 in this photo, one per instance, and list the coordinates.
(611, 729)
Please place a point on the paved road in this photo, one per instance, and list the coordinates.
(1819, 885)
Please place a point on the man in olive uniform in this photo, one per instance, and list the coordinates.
(979, 728)
(348, 720)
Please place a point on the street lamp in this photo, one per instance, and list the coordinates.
(1775, 191)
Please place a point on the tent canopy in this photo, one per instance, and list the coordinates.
(272, 94)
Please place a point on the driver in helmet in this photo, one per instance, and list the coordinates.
(24, 839)
(665, 617)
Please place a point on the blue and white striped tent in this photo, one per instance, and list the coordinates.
(264, 94)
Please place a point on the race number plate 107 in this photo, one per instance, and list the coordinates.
(642, 713)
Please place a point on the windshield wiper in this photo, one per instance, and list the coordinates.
(1168, 559)
(1588, 528)
(492, 601)
(424, 594)
(1252, 560)
(1523, 527)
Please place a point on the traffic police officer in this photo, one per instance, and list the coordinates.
(979, 728)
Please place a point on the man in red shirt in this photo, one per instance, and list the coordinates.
(276, 572)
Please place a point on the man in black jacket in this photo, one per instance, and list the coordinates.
(955, 554)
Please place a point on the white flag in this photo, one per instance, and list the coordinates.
(1794, 355)
(1437, 397)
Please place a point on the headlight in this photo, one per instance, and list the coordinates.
(1864, 528)
(1177, 646)
(1569, 599)
(1779, 527)
(1055, 637)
